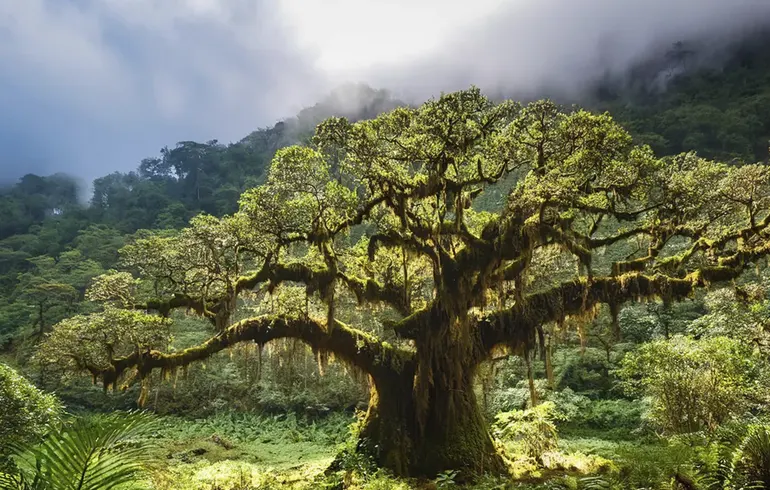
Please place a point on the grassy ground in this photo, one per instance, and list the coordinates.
(244, 452)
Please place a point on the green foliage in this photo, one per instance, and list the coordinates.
(49, 289)
(651, 321)
(446, 479)
(742, 313)
(752, 456)
(532, 430)
(613, 414)
(586, 372)
(513, 398)
(718, 110)
(237, 451)
(101, 453)
(737, 458)
(693, 384)
(90, 342)
(249, 428)
(27, 413)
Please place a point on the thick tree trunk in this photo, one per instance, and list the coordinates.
(455, 434)
(424, 422)
(388, 431)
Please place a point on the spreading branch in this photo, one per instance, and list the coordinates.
(356, 347)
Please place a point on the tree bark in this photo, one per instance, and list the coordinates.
(421, 433)
(549, 363)
(533, 398)
(387, 433)
(456, 436)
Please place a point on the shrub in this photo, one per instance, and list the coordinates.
(570, 406)
(693, 384)
(532, 430)
(25, 411)
(589, 373)
(516, 397)
(614, 414)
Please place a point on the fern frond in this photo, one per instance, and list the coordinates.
(98, 454)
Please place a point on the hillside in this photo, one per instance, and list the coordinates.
(691, 98)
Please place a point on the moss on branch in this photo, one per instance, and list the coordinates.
(516, 324)
(358, 348)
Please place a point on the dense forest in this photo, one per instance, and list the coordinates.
(464, 292)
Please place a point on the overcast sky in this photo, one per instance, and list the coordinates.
(88, 87)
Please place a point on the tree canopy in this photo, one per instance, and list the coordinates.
(381, 212)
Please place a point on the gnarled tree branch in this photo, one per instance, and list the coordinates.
(356, 347)
(581, 295)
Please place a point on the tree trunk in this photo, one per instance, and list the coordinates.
(387, 433)
(423, 423)
(533, 398)
(454, 433)
(549, 364)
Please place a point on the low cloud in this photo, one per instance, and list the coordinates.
(89, 87)
(92, 86)
(533, 47)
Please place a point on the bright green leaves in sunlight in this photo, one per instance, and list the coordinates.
(579, 160)
(300, 198)
(203, 260)
(91, 342)
(688, 190)
(741, 313)
(114, 287)
(457, 138)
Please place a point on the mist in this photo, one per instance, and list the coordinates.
(89, 87)
(562, 47)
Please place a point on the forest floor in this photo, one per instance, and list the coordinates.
(244, 452)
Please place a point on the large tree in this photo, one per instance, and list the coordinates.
(384, 211)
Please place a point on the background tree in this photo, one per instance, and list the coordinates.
(405, 183)
(54, 285)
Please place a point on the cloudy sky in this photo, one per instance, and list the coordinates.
(92, 86)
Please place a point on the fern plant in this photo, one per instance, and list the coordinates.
(534, 429)
(101, 453)
(744, 459)
(446, 479)
(753, 456)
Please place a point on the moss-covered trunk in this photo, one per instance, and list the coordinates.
(453, 433)
(428, 420)
(388, 429)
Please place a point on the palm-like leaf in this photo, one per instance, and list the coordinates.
(99, 454)
(753, 455)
